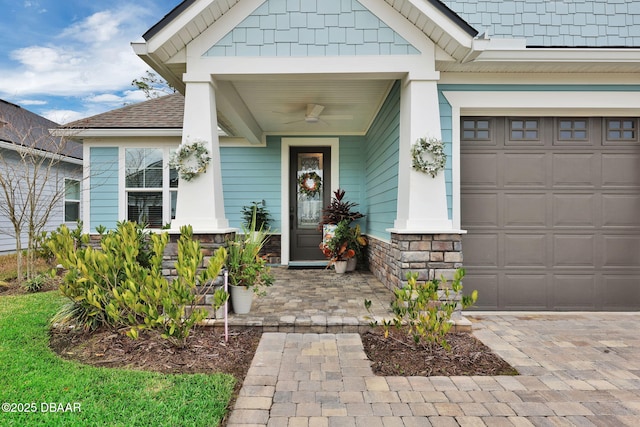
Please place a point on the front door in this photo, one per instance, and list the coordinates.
(310, 192)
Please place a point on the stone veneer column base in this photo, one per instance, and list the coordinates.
(208, 242)
(429, 255)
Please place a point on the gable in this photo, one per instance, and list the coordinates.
(311, 28)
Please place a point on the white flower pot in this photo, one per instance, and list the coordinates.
(340, 266)
(241, 299)
(352, 263)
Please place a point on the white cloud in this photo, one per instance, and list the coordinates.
(31, 102)
(92, 56)
(128, 97)
(63, 116)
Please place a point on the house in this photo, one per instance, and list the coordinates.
(537, 105)
(49, 173)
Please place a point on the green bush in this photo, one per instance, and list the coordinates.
(425, 309)
(35, 283)
(121, 284)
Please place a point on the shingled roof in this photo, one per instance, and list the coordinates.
(165, 112)
(22, 127)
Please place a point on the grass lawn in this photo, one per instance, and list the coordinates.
(32, 375)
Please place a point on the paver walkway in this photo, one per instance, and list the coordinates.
(576, 370)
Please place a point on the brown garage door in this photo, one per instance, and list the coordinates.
(552, 210)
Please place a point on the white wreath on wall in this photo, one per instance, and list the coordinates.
(190, 159)
(428, 156)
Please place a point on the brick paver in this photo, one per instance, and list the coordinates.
(578, 369)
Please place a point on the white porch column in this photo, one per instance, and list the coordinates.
(201, 201)
(422, 200)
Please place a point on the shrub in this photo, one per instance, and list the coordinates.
(35, 283)
(121, 284)
(425, 309)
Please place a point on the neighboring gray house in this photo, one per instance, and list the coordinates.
(27, 132)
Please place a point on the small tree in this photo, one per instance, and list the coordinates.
(153, 85)
(31, 179)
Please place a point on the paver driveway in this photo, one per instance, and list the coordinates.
(576, 369)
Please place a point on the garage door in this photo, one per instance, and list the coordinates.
(552, 211)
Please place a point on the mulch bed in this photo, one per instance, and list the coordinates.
(398, 355)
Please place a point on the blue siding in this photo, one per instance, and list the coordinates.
(251, 174)
(352, 173)
(447, 138)
(576, 23)
(381, 167)
(103, 200)
(311, 28)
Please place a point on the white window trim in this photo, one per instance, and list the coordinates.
(166, 190)
(64, 201)
(523, 103)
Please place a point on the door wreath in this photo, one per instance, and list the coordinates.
(309, 183)
(435, 148)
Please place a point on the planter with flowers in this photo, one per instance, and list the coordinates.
(337, 247)
(336, 223)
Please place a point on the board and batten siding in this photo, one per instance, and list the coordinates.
(104, 193)
(381, 167)
(252, 174)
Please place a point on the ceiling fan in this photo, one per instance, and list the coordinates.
(313, 112)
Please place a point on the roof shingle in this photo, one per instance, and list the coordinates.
(166, 112)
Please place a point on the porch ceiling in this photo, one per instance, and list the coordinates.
(280, 106)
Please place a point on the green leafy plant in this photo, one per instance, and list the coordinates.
(35, 283)
(339, 210)
(246, 266)
(261, 213)
(425, 309)
(121, 284)
(338, 247)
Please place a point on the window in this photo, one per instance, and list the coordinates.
(151, 189)
(476, 129)
(143, 185)
(525, 129)
(621, 130)
(71, 200)
(572, 129)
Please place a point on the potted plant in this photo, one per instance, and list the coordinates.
(261, 213)
(339, 210)
(356, 242)
(249, 273)
(337, 247)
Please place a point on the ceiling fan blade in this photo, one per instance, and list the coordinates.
(294, 121)
(314, 110)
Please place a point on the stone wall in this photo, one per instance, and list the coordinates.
(429, 255)
(208, 242)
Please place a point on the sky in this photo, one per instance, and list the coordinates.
(70, 59)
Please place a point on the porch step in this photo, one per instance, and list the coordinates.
(300, 265)
(314, 324)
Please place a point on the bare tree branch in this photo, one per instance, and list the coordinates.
(32, 187)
